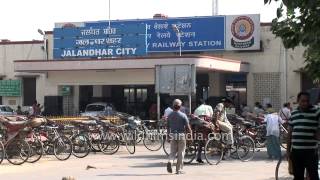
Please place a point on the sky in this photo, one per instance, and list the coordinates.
(20, 19)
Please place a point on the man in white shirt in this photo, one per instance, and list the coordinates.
(285, 112)
(273, 121)
(203, 110)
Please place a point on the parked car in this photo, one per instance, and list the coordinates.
(99, 109)
(6, 110)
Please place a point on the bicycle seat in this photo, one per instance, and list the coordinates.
(151, 121)
(247, 124)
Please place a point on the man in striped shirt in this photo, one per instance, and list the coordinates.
(302, 141)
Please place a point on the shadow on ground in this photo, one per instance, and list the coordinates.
(145, 157)
(131, 175)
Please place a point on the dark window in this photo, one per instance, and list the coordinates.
(29, 91)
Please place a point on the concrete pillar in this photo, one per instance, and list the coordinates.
(250, 90)
(217, 84)
(76, 99)
(97, 91)
(40, 86)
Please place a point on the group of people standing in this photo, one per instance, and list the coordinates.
(35, 111)
(178, 126)
(302, 124)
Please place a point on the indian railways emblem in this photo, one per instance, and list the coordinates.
(242, 29)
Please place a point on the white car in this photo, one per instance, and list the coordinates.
(98, 109)
(6, 110)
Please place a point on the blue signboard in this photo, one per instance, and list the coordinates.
(136, 37)
(99, 40)
(197, 34)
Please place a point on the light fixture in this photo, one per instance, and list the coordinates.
(40, 32)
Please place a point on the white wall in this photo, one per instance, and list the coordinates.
(116, 77)
(270, 60)
(19, 51)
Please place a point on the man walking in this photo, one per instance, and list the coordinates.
(285, 112)
(273, 121)
(177, 126)
(302, 141)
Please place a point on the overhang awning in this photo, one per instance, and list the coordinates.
(2, 75)
(201, 62)
(26, 74)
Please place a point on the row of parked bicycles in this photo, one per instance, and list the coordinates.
(27, 139)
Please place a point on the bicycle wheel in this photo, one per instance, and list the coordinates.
(153, 141)
(245, 148)
(80, 145)
(213, 152)
(261, 138)
(109, 143)
(130, 138)
(17, 151)
(190, 152)
(95, 139)
(2, 152)
(283, 139)
(233, 152)
(36, 150)
(140, 135)
(166, 146)
(261, 143)
(62, 148)
(281, 171)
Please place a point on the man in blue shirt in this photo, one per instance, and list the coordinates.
(177, 128)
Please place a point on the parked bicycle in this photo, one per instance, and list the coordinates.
(13, 145)
(216, 147)
(55, 143)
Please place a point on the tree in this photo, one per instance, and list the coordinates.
(300, 25)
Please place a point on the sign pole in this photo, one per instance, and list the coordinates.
(158, 106)
(109, 13)
(190, 110)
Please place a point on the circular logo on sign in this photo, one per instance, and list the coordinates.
(242, 27)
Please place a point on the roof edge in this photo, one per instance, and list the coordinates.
(136, 58)
(21, 42)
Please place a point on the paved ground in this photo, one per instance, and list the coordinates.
(142, 165)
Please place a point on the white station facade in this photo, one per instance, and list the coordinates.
(84, 62)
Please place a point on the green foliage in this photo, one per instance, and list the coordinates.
(300, 25)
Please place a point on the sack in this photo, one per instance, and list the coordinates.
(36, 122)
